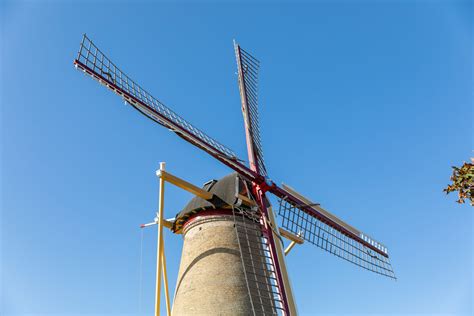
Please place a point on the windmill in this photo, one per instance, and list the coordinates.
(242, 198)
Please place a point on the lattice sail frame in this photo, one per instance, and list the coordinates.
(94, 63)
(338, 242)
(248, 68)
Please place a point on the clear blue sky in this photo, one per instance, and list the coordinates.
(364, 108)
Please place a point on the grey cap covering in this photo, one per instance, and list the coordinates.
(226, 192)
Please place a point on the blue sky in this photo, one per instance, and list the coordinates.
(364, 108)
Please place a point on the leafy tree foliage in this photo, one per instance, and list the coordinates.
(463, 182)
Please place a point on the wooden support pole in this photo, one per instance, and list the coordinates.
(290, 246)
(184, 185)
(159, 251)
(165, 277)
(290, 236)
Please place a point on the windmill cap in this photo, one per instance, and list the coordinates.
(226, 194)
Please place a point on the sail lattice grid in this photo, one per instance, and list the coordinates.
(93, 61)
(333, 241)
(259, 268)
(250, 67)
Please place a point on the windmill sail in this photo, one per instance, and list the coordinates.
(94, 63)
(248, 67)
(330, 233)
(299, 215)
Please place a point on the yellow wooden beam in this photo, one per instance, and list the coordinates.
(168, 177)
(246, 200)
(290, 246)
(159, 252)
(165, 278)
(291, 236)
(167, 224)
